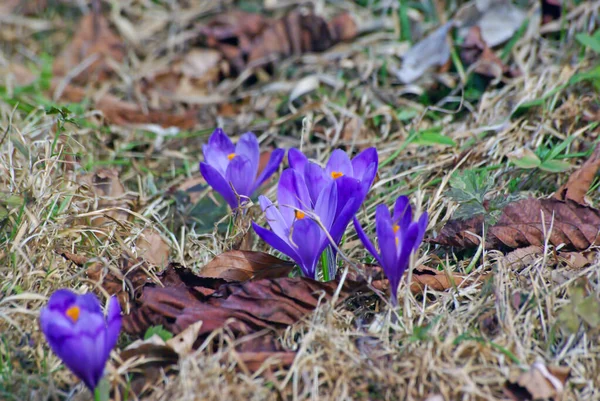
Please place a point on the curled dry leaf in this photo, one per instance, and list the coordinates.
(580, 181)
(120, 112)
(539, 383)
(475, 51)
(246, 265)
(153, 248)
(525, 223)
(110, 196)
(261, 41)
(424, 276)
(528, 221)
(94, 43)
(432, 51)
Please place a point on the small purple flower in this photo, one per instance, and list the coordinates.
(339, 169)
(294, 232)
(231, 170)
(399, 236)
(80, 334)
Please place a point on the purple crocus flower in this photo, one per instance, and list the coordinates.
(399, 236)
(231, 170)
(294, 232)
(339, 169)
(80, 334)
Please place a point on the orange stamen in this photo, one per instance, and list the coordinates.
(231, 156)
(336, 174)
(73, 313)
(299, 214)
(396, 228)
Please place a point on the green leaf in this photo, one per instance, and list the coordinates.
(591, 42)
(555, 166)
(589, 311)
(467, 210)
(524, 158)
(159, 331)
(433, 138)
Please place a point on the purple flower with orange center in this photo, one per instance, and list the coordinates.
(294, 230)
(80, 334)
(398, 236)
(353, 179)
(232, 170)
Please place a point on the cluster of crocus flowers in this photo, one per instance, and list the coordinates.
(80, 334)
(316, 204)
(232, 170)
(398, 236)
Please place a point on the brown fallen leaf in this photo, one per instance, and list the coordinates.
(475, 51)
(521, 258)
(109, 194)
(521, 224)
(153, 248)
(579, 182)
(120, 112)
(261, 42)
(94, 43)
(527, 221)
(539, 383)
(434, 279)
(246, 265)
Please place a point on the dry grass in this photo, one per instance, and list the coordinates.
(463, 343)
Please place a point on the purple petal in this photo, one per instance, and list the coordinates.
(276, 242)
(80, 355)
(292, 194)
(272, 166)
(218, 148)
(422, 224)
(219, 184)
(247, 146)
(366, 241)
(90, 324)
(406, 246)
(348, 204)
(316, 180)
(361, 163)
(274, 217)
(113, 324)
(240, 175)
(62, 300)
(339, 163)
(89, 302)
(367, 179)
(402, 212)
(387, 242)
(297, 160)
(56, 326)
(326, 205)
(309, 242)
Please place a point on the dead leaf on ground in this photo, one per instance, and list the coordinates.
(246, 265)
(260, 41)
(153, 248)
(524, 223)
(93, 43)
(527, 221)
(147, 360)
(432, 51)
(433, 279)
(583, 306)
(475, 51)
(194, 74)
(522, 257)
(539, 383)
(580, 181)
(110, 196)
(120, 112)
